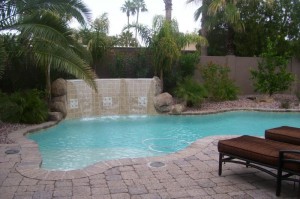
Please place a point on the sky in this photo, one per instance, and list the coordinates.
(182, 12)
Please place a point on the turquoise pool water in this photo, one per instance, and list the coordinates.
(74, 144)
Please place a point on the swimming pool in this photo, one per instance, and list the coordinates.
(74, 144)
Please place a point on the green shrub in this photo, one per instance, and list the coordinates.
(187, 64)
(184, 68)
(23, 107)
(190, 91)
(272, 75)
(118, 68)
(140, 65)
(217, 83)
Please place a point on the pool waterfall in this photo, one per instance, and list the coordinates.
(113, 97)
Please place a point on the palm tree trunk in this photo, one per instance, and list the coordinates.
(203, 33)
(137, 21)
(230, 37)
(128, 23)
(168, 7)
(48, 84)
(203, 30)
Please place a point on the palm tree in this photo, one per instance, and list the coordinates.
(42, 24)
(126, 39)
(139, 6)
(98, 41)
(129, 8)
(164, 45)
(168, 8)
(202, 11)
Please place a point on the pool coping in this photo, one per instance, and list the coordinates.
(31, 159)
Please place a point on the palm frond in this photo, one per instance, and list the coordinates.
(216, 6)
(48, 26)
(144, 31)
(63, 59)
(198, 13)
(74, 8)
(12, 10)
(8, 13)
(232, 13)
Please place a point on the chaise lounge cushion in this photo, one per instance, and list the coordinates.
(284, 134)
(259, 150)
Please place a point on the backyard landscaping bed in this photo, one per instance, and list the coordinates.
(6, 128)
(278, 101)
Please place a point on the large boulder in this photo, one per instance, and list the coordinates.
(158, 86)
(55, 116)
(163, 102)
(60, 99)
(59, 87)
(59, 107)
(177, 109)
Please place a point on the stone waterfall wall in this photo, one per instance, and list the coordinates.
(114, 97)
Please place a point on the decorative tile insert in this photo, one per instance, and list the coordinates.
(73, 103)
(142, 101)
(107, 102)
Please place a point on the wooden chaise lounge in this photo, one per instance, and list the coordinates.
(286, 134)
(262, 154)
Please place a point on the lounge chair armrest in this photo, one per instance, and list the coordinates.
(291, 160)
(289, 151)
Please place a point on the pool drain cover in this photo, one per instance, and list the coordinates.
(157, 164)
(12, 151)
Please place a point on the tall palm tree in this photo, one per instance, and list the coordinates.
(165, 42)
(43, 25)
(129, 8)
(202, 11)
(140, 6)
(168, 8)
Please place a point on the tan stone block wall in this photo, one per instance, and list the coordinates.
(240, 70)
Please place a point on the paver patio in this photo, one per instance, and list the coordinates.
(190, 173)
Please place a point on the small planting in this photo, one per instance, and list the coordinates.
(217, 82)
(272, 76)
(191, 92)
(23, 107)
(187, 64)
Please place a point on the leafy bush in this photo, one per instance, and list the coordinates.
(140, 64)
(185, 68)
(190, 91)
(23, 107)
(118, 69)
(187, 64)
(272, 75)
(217, 83)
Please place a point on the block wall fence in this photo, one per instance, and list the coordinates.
(240, 67)
(240, 70)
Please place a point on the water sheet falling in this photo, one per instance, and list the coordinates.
(114, 97)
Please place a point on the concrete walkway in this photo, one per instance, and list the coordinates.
(190, 173)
